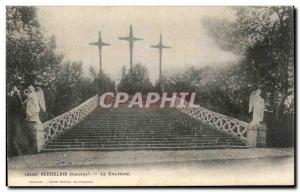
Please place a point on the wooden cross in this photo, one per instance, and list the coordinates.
(160, 46)
(130, 38)
(100, 44)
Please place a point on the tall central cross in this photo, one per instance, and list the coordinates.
(130, 38)
(100, 44)
(160, 46)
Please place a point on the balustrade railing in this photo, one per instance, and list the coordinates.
(232, 126)
(59, 124)
(227, 124)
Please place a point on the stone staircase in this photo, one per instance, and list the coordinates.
(132, 129)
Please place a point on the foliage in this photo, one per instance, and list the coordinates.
(136, 80)
(265, 37)
(213, 87)
(32, 59)
(104, 83)
(71, 88)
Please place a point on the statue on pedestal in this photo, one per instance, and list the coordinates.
(257, 106)
(33, 132)
(256, 133)
(34, 102)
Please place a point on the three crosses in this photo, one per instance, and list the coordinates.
(131, 39)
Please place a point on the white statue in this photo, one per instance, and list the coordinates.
(257, 106)
(34, 102)
(289, 103)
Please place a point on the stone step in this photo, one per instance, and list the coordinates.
(59, 142)
(131, 115)
(134, 130)
(122, 118)
(139, 142)
(82, 127)
(149, 123)
(141, 132)
(133, 122)
(132, 135)
(119, 139)
(144, 130)
(142, 117)
(131, 128)
(154, 127)
(151, 139)
(138, 135)
(144, 148)
(140, 145)
(100, 127)
(136, 125)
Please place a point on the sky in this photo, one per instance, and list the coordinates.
(75, 27)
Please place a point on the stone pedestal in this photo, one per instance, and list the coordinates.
(38, 132)
(256, 135)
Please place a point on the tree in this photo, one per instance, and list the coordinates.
(32, 59)
(104, 83)
(213, 89)
(265, 37)
(92, 73)
(123, 72)
(136, 80)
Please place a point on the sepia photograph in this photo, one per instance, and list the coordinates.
(150, 96)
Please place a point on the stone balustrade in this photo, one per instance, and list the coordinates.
(229, 125)
(58, 125)
(234, 127)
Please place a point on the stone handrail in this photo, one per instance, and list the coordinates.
(59, 124)
(232, 126)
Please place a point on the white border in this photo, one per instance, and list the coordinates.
(3, 3)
